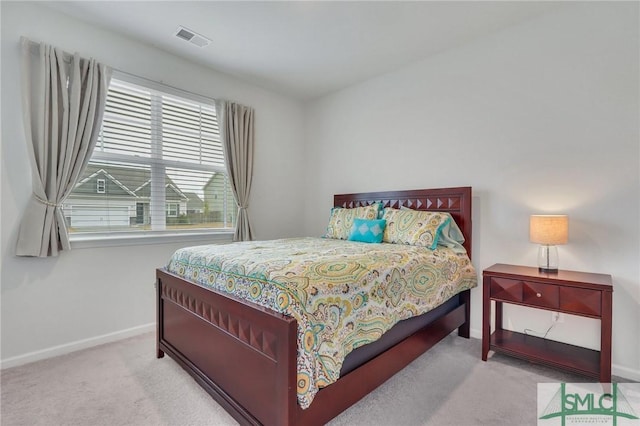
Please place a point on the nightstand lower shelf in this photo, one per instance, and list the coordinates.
(543, 351)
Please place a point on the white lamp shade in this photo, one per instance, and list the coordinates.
(549, 229)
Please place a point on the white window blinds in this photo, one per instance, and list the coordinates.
(158, 165)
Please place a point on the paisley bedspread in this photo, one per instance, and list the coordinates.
(343, 294)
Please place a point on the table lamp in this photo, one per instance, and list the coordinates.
(548, 231)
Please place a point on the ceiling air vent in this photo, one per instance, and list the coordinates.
(192, 37)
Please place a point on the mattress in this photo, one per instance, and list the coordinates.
(343, 294)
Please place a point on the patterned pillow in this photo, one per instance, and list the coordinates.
(413, 227)
(450, 234)
(341, 220)
(367, 231)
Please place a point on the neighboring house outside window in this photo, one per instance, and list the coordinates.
(156, 165)
(213, 203)
(195, 205)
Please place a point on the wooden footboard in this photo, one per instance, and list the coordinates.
(245, 355)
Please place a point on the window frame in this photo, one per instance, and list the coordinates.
(173, 209)
(119, 238)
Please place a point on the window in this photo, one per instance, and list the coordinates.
(100, 186)
(173, 209)
(158, 165)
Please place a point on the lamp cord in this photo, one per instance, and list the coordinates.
(527, 331)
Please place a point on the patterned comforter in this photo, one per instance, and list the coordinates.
(343, 294)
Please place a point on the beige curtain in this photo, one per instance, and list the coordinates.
(236, 124)
(63, 98)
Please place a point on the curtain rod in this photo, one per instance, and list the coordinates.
(142, 80)
(33, 44)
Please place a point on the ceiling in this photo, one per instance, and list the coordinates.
(306, 49)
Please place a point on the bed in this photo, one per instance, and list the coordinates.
(245, 355)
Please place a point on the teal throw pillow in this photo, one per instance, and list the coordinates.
(367, 230)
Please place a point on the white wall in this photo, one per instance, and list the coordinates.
(87, 293)
(538, 118)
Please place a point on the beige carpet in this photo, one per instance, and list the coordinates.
(122, 383)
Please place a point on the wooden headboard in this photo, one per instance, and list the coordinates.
(456, 201)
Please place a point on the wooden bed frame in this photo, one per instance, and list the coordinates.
(244, 355)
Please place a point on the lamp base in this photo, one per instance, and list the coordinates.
(548, 259)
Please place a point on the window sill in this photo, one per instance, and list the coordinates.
(94, 240)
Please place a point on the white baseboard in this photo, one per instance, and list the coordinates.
(616, 370)
(75, 346)
(476, 334)
(625, 372)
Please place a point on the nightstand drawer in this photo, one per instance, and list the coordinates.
(506, 289)
(581, 300)
(531, 293)
(543, 295)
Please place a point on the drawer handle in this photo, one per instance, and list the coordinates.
(538, 294)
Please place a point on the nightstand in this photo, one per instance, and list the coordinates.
(575, 293)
